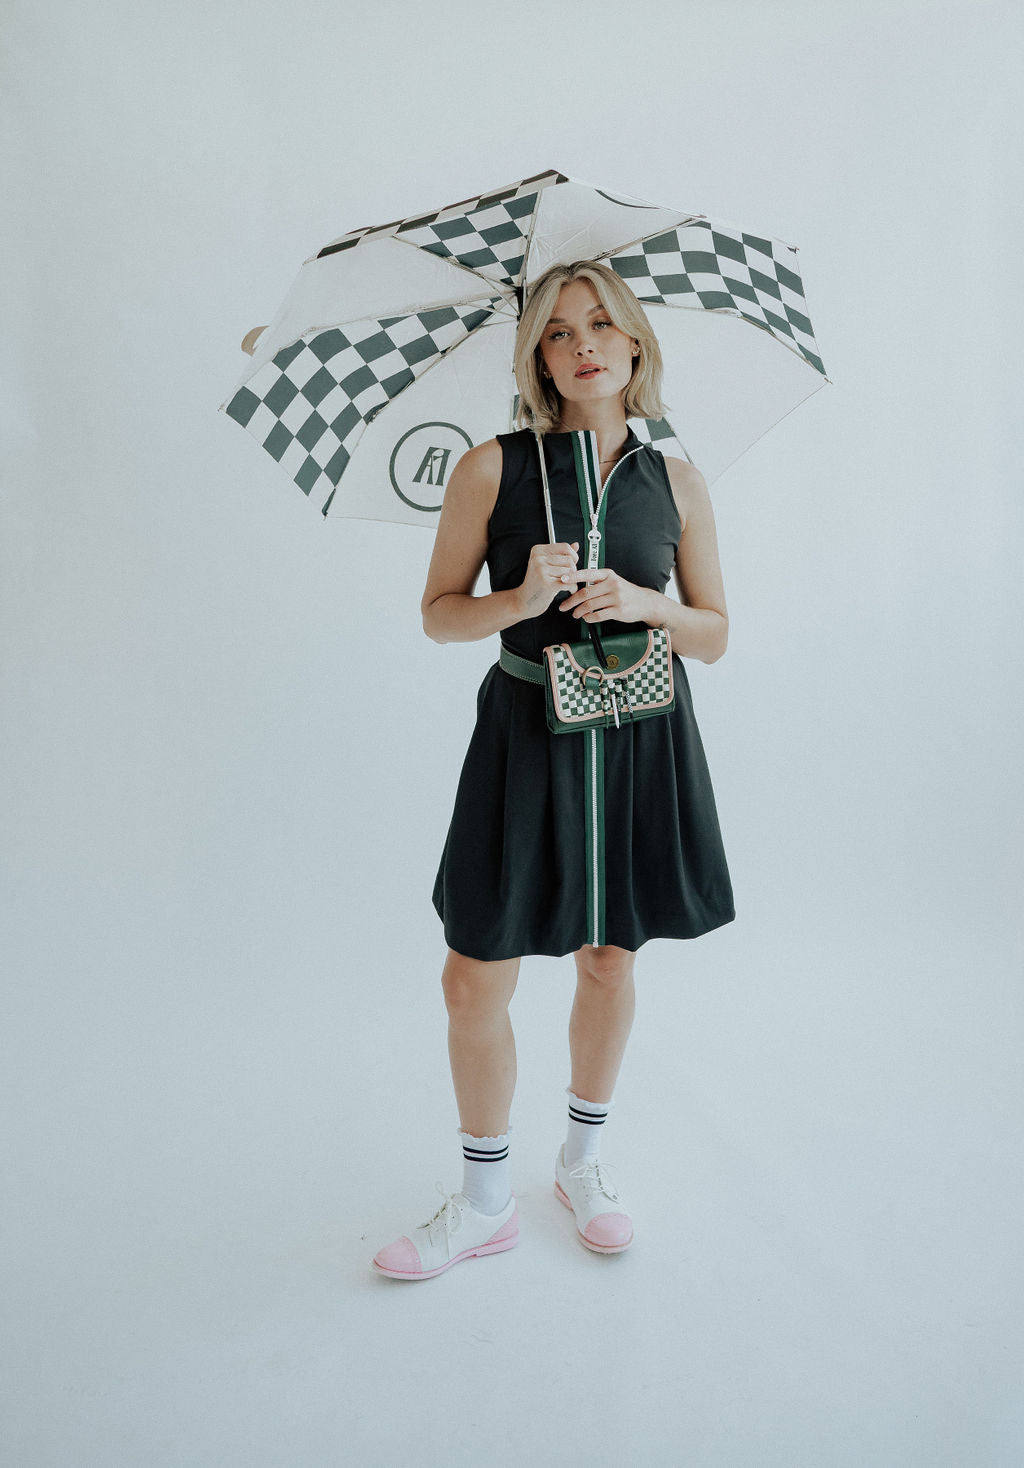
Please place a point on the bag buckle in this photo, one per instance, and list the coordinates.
(610, 689)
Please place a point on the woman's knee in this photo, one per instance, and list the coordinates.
(475, 989)
(606, 965)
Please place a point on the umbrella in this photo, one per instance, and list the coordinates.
(392, 353)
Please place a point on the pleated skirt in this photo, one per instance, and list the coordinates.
(513, 874)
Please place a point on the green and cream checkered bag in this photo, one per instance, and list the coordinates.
(635, 683)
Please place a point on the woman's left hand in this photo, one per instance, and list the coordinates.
(608, 596)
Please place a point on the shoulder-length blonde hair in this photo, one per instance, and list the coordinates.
(540, 405)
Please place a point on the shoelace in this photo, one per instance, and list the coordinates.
(448, 1216)
(594, 1176)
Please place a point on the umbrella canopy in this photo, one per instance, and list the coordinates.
(392, 353)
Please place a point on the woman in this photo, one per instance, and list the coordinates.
(513, 873)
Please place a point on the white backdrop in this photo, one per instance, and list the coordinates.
(226, 1081)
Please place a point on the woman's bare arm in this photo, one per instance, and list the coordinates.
(699, 628)
(451, 613)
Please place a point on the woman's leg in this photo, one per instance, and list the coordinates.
(483, 1056)
(599, 1026)
(481, 1045)
(601, 1019)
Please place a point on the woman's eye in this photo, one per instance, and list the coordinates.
(602, 323)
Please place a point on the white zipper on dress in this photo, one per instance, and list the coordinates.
(594, 537)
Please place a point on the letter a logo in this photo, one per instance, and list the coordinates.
(434, 458)
(423, 456)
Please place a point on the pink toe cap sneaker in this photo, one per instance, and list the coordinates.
(587, 1190)
(609, 1232)
(455, 1232)
(399, 1258)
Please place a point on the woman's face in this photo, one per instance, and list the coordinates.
(587, 355)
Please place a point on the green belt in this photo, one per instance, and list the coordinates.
(521, 667)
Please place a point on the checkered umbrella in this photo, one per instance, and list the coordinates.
(392, 353)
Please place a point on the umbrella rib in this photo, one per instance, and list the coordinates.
(627, 245)
(790, 346)
(521, 283)
(761, 326)
(315, 328)
(678, 440)
(653, 234)
(492, 320)
(766, 431)
(498, 285)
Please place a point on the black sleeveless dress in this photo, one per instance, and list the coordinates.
(512, 879)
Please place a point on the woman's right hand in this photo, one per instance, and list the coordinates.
(550, 569)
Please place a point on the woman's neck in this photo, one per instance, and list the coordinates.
(608, 421)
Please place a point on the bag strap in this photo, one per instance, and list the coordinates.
(547, 492)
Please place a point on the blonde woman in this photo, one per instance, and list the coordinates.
(513, 876)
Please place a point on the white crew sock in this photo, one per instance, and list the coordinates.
(485, 1171)
(586, 1120)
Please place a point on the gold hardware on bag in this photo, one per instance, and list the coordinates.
(613, 661)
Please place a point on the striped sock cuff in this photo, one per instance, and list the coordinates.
(484, 1149)
(591, 1113)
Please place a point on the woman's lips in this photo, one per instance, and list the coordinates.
(589, 371)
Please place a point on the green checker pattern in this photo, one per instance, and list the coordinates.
(705, 266)
(489, 233)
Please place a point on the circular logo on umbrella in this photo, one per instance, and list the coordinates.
(422, 461)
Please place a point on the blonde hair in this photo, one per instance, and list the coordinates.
(540, 406)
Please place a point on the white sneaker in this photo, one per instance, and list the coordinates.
(587, 1189)
(456, 1231)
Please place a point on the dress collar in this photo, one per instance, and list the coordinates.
(564, 436)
